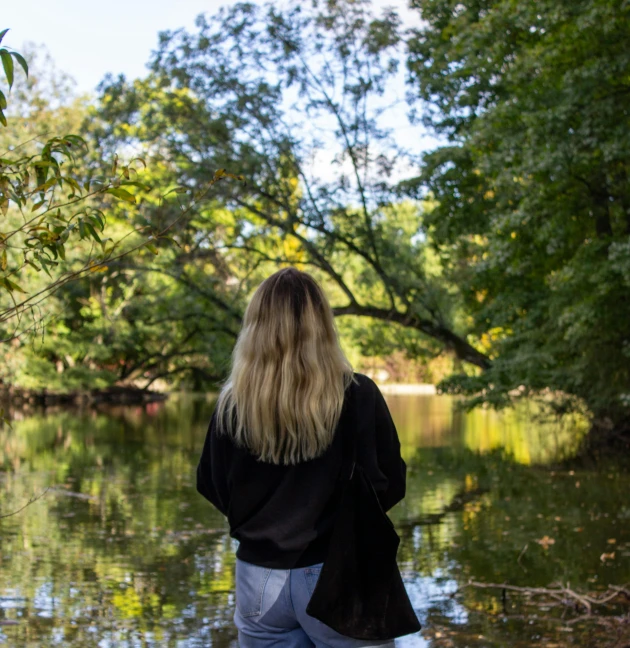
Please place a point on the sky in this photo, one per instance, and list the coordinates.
(88, 39)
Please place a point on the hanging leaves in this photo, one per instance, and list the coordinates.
(7, 56)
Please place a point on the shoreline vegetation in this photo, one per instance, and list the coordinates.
(121, 395)
(420, 389)
(130, 394)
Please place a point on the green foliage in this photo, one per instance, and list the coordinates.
(70, 317)
(6, 56)
(292, 100)
(533, 190)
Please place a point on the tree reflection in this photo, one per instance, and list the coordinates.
(122, 551)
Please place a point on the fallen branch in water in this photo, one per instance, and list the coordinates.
(561, 593)
(33, 499)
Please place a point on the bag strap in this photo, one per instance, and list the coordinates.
(351, 436)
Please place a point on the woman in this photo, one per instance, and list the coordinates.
(273, 455)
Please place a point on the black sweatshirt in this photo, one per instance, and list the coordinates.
(281, 515)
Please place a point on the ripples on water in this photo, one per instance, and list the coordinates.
(122, 551)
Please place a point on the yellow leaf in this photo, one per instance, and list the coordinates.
(545, 542)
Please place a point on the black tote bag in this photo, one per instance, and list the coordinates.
(360, 592)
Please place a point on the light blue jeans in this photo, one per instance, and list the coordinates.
(271, 610)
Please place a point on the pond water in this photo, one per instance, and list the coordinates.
(122, 552)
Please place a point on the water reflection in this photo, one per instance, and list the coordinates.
(121, 551)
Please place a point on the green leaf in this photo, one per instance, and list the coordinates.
(98, 220)
(47, 185)
(92, 231)
(41, 173)
(3, 119)
(135, 183)
(171, 239)
(7, 64)
(121, 194)
(45, 263)
(151, 247)
(3, 34)
(22, 61)
(11, 286)
(53, 248)
(3, 100)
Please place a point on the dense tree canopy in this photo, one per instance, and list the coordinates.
(533, 189)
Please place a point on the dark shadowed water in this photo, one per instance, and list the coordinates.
(121, 551)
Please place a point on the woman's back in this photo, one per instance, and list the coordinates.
(282, 515)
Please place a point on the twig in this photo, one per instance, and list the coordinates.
(518, 561)
(30, 501)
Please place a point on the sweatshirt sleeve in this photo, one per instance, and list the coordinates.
(211, 471)
(388, 455)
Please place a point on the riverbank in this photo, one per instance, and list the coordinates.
(11, 397)
(127, 395)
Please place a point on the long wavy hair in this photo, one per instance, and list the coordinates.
(285, 393)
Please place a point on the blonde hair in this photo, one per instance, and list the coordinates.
(284, 396)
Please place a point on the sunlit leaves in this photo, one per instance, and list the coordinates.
(122, 194)
(290, 100)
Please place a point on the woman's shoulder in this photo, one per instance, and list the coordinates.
(364, 385)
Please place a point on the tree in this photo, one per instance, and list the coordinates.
(533, 192)
(292, 99)
(67, 212)
(46, 200)
(55, 197)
